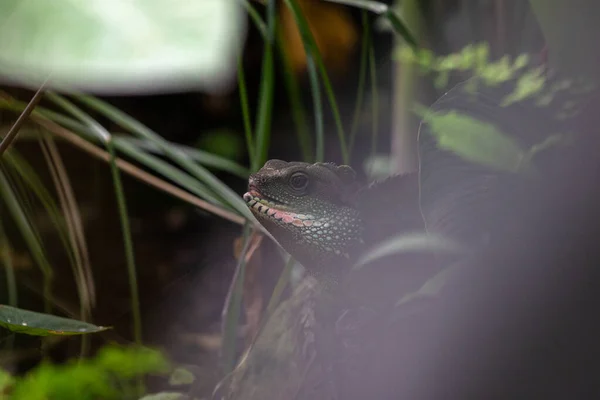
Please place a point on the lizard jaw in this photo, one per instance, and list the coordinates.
(266, 208)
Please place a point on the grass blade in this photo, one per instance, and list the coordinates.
(203, 157)
(245, 108)
(255, 17)
(138, 173)
(232, 307)
(122, 206)
(298, 111)
(311, 49)
(267, 90)
(386, 11)
(14, 130)
(364, 52)
(318, 108)
(229, 197)
(11, 280)
(374, 100)
(29, 235)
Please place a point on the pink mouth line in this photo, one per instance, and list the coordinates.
(253, 201)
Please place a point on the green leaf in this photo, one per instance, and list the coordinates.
(181, 376)
(114, 46)
(408, 243)
(38, 324)
(6, 380)
(474, 140)
(129, 362)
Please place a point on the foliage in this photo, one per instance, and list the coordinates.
(109, 375)
(38, 324)
(136, 46)
(188, 173)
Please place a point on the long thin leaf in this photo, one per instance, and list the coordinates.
(233, 306)
(245, 109)
(386, 11)
(267, 90)
(364, 57)
(122, 206)
(255, 17)
(311, 48)
(374, 100)
(203, 157)
(31, 238)
(14, 130)
(38, 324)
(298, 112)
(318, 108)
(223, 191)
(11, 280)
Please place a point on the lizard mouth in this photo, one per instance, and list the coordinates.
(262, 206)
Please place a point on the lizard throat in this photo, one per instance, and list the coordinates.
(276, 211)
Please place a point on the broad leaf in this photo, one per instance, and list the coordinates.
(110, 46)
(474, 140)
(38, 324)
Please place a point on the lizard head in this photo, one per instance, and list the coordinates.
(309, 209)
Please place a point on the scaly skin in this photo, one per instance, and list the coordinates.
(310, 209)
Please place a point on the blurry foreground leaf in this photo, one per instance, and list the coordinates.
(405, 243)
(38, 324)
(431, 288)
(111, 46)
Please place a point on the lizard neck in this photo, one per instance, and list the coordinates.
(327, 245)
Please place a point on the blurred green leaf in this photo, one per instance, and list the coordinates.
(116, 46)
(181, 376)
(38, 324)
(108, 376)
(474, 140)
(129, 362)
(5, 381)
(405, 243)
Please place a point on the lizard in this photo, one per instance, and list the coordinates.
(325, 217)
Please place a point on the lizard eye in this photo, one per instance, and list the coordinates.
(299, 180)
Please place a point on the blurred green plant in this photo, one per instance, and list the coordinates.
(120, 47)
(111, 374)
